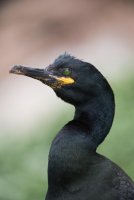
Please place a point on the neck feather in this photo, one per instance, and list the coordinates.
(97, 115)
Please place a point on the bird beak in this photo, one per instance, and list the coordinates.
(43, 75)
(40, 74)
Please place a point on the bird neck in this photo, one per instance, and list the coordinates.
(97, 115)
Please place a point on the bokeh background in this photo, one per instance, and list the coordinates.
(34, 33)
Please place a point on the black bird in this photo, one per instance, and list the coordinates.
(75, 170)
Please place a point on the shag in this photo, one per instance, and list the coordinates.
(75, 170)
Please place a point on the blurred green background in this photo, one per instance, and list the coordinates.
(34, 33)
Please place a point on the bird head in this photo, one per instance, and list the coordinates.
(73, 80)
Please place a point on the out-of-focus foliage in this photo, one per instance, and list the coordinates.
(23, 164)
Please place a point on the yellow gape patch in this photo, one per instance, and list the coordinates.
(65, 80)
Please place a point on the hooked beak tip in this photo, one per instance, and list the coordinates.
(17, 69)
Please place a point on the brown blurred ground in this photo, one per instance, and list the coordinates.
(30, 28)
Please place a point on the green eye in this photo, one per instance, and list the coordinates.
(67, 72)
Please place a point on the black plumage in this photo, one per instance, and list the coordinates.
(75, 170)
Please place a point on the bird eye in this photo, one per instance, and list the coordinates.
(66, 72)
